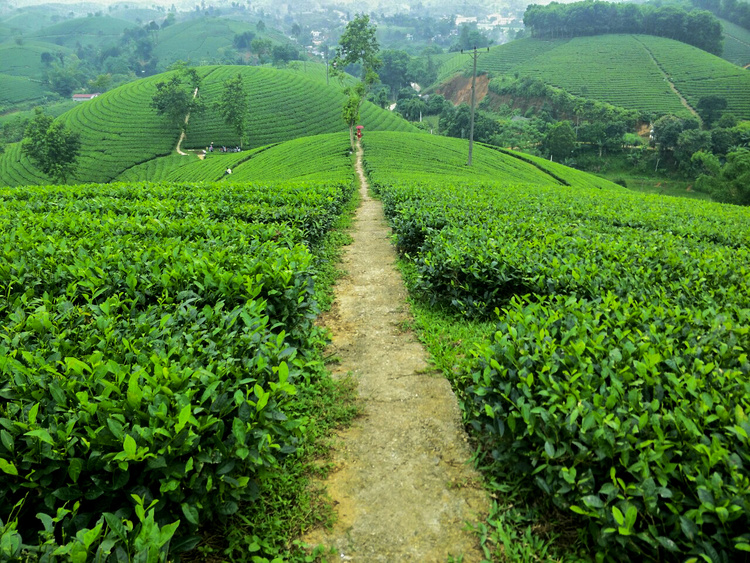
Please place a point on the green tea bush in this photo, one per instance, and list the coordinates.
(633, 415)
(151, 338)
(617, 379)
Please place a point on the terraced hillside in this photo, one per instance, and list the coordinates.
(96, 31)
(20, 89)
(419, 156)
(283, 106)
(26, 59)
(202, 40)
(119, 130)
(736, 44)
(631, 71)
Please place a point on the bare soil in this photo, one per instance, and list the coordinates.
(458, 89)
(402, 486)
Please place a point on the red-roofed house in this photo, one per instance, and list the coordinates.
(85, 97)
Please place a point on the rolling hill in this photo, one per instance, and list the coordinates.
(202, 40)
(736, 44)
(640, 72)
(120, 130)
(26, 59)
(96, 31)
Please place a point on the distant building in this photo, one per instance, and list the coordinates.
(85, 97)
(465, 19)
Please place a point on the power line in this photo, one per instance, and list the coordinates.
(475, 54)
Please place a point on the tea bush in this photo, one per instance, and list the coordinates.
(617, 378)
(151, 337)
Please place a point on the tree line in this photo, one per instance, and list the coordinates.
(699, 28)
(735, 11)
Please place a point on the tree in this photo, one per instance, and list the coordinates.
(282, 54)
(178, 97)
(560, 140)
(358, 45)
(233, 104)
(733, 184)
(710, 108)
(52, 147)
(394, 72)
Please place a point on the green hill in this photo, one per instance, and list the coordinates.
(736, 44)
(202, 40)
(120, 130)
(630, 71)
(26, 59)
(19, 89)
(417, 157)
(96, 31)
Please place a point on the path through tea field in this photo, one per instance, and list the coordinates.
(401, 484)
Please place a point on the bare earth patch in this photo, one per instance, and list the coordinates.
(402, 486)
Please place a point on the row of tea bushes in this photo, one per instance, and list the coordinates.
(151, 338)
(617, 380)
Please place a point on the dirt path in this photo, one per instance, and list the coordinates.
(178, 148)
(401, 484)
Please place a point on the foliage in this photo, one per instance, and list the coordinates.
(455, 122)
(617, 378)
(233, 105)
(177, 97)
(152, 340)
(710, 108)
(358, 45)
(698, 27)
(732, 184)
(560, 141)
(51, 146)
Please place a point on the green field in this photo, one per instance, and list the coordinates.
(736, 44)
(606, 369)
(96, 31)
(119, 130)
(21, 90)
(26, 59)
(624, 70)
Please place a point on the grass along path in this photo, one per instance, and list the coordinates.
(401, 484)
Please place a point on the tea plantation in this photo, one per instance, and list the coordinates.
(153, 338)
(120, 130)
(624, 70)
(616, 379)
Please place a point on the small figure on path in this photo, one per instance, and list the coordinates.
(228, 172)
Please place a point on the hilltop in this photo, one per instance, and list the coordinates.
(639, 72)
(120, 129)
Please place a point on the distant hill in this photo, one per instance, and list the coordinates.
(96, 31)
(26, 59)
(202, 40)
(20, 89)
(631, 71)
(120, 130)
(736, 44)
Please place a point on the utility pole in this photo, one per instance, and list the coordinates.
(475, 54)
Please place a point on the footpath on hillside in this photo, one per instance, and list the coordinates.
(402, 485)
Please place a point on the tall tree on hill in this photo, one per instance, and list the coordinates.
(177, 98)
(52, 147)
(233, 105)
(358, 45)
(560, 141)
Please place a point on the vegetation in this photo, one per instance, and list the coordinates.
(697, 27)
(51, 147)
(607, 314)
(139, 272)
